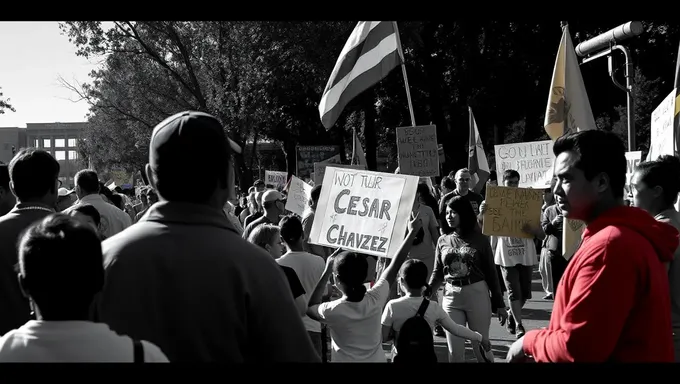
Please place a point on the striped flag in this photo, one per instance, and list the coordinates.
(477, 163)
(372, 51)
(568, 105)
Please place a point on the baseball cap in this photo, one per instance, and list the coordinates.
(273, 195)
(64, 192)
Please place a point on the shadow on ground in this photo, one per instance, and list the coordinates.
(535, 314)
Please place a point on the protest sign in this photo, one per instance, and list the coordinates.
(307, 155)
(418, 151)
(632, 160)
(572, 230)
(320, 170)
(533, 160)
(275, 178)
(662, 138)
(363, 211)
(299, 193)
(509, 209)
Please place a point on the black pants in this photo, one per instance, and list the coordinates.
(558, 265)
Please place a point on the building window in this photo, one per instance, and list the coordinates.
(59, 143)
(72, 155)
(60, 155)
(72, 142)
(47, 143)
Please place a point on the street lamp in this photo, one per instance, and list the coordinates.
(603, 45)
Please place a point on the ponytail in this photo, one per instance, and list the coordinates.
(356, 293)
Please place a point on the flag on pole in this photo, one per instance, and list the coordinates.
(477, 163)
(358, 153)
(568, 105)
(370, 53)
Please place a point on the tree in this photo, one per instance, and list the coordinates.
(4, 104)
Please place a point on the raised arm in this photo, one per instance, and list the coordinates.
(390, 274)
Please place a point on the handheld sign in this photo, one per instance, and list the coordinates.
(307, 155)
(532, 160)
(418, 151)
(299, 194)
(363, 211)
(275, 178)
(632, 161)
(509, 209)
(662, 139)
(320, 170)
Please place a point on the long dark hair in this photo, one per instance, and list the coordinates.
(424, 192)
(663, 172)
(468, 219)
(351, 270)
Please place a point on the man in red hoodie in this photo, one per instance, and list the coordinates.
(613, 302)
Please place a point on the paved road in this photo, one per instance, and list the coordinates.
(536, 314)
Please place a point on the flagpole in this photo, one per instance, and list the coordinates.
(354, 144)
(472, 133)
(403, 71)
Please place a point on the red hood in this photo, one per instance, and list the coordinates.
(663, 237)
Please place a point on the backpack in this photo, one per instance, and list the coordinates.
(415, 343)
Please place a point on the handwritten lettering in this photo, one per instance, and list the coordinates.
(418, 151)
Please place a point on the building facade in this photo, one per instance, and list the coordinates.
(59, 139)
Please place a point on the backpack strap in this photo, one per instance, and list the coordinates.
(138, 351)
(423, 307)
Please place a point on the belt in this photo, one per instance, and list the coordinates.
(464, 281)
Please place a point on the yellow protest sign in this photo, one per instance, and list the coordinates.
(509, 209)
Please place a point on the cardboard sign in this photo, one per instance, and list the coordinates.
(533, 160)
(662, 138)
(418, 150)
(509, 209)
(299, 194)
(320, 170)
(275, 178)
(572, 231)
(363, 211)
(307, 155)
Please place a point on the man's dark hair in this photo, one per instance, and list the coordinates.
(598, 152)
(316, 192)
(449, 183)
(34, 173)
(4, 177)
(510, 174)
(291, 229)
(60, 261)
(88, 181)
(258, 183)
(89, 210)
(104, 190)
(493, 176)
(663, 172)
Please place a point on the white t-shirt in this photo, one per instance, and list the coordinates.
(309, 269)
(71, 342)
(510, 251)
(399, 310)
(356, 333)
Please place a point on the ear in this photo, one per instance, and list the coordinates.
(22, 285)
(602, 182)
(657, 191)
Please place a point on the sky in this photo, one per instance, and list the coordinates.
(32, 57)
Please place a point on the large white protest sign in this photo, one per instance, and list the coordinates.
(662, 138)
(320, 170)
(632, 160)
(533, 160)
(299, 193)
(363, 211)
(275, 178)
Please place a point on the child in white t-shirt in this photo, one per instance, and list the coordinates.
(412, 280)
(354, 319)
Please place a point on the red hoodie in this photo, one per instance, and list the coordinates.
(613, 302)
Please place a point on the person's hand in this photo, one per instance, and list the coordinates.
(516, 352)
(486, 344)
(502, 315)
(331, 259)
(416, 224)
(557, 221)
(482, 207)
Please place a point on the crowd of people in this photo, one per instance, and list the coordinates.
(202, 274)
